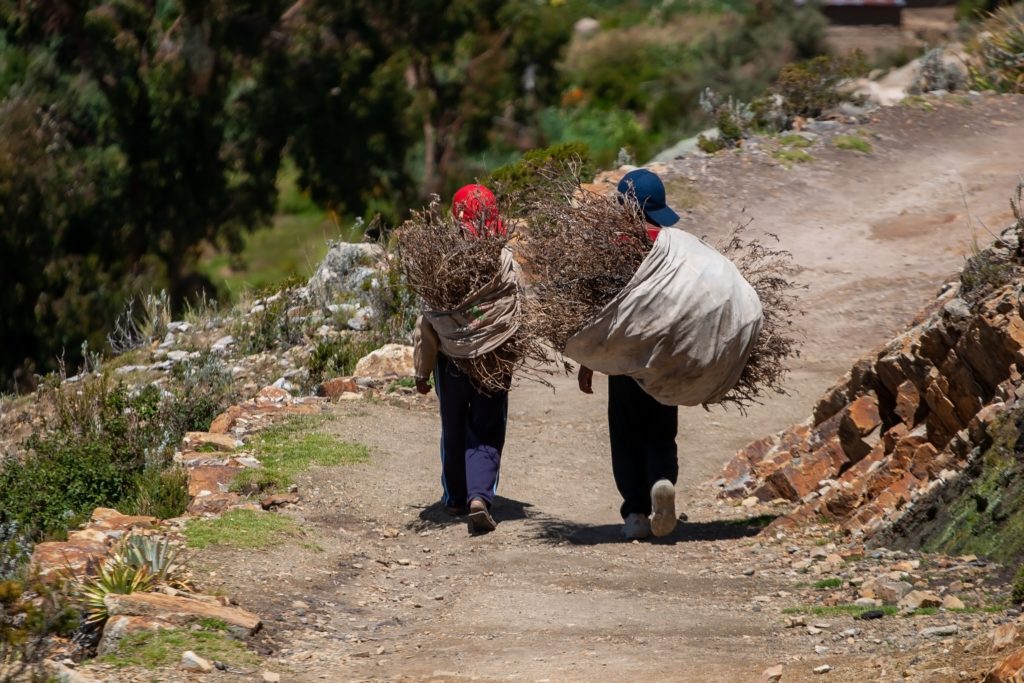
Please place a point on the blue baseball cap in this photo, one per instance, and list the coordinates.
(650, 195)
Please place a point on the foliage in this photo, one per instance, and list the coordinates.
(107, 445)
(998, 49)
(338, 357)
(30, 612)
(811, 87)
(240, 529)
(161, 494)
(271, 326)
(289, 448)
(528, 172)
(788, 157)
(853, 143)
(153, 554)
(15, 550)
(163, 648)
(115, 576)
(1017, 594)
(710, 145)
(825, 584)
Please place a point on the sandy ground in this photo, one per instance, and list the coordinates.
(392, 590)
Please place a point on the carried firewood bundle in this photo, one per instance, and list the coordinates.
(461, 266)
(690, 325)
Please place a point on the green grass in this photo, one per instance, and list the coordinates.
(788, 157)
(825, 584)
(156, 649)
(852, 143)
(839, 610)
(917, 102)
(240, 529)
(291, 447)
(794, 140)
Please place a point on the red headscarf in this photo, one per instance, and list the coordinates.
(475, 204)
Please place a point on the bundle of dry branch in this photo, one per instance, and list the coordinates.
(770, 271)
(444, 265)
(579, 251)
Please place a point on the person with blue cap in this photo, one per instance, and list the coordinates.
(642, 431)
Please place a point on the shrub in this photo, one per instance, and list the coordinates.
(1017, 594)
(270, 327)
(161, 494)
(30, 612)
(15, 550)
(525, 174)
(811, 87)
(710, 145)
(338, 357)
(109, 446)
(998, 49)
(203, 387)
(985, 271)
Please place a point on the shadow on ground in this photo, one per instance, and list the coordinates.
(564, 531)
(435, 515)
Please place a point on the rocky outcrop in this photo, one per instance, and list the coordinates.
(901, 436)
(180, 610)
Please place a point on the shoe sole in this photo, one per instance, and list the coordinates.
(663, 500)
(481, 522)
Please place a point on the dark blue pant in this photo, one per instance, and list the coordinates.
(472, 436)
(643, 437)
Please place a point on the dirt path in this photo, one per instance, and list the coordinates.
(384, 588)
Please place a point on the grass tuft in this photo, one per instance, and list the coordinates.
(240, 529)
(157, 649)
(826, 584)
(852, 143)
(794, 140)
(291, 447)
(788, 157)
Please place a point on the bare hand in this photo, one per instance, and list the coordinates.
(586, 380)
(422, 386)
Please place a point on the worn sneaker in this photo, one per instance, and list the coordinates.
(663, 502)
(636, 527)
(480, 520)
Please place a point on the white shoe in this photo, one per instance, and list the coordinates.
(636, 527)
(663, 502)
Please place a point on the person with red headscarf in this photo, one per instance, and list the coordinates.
(472, 422)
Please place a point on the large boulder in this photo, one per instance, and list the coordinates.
(388, 362)
(180, 610)
(345, 272)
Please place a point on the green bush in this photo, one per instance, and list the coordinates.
(1017, 594)
(999, 51)
(161, 494)
(710, 145)
(338, 357)
(30, 612)
(270, 328)
(809, 88)
(525, 174)
(15, 550)
(109, 446)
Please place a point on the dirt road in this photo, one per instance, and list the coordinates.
(383, 587)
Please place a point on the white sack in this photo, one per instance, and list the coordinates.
(683, 327)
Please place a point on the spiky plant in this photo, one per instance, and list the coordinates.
(998, 49)
(114, 577)
(154, 554)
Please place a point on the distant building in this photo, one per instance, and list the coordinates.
(865, 12)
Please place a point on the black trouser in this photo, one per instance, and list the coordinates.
(472, 436)
(643, 436)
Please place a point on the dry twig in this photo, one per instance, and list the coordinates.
(443, 266)
(770, 271)
(580, 250)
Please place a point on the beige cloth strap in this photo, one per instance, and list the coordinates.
(486, 319)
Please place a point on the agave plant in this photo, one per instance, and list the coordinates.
(114, 576)
(153, 554)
